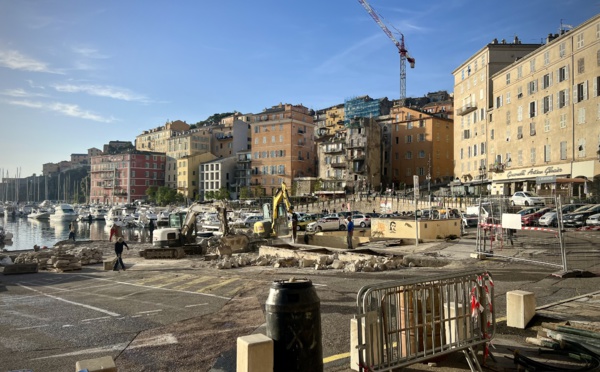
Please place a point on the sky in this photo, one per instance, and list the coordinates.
(76, 74)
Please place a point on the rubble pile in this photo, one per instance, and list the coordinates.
(324, 262)
(87, 256)
(61, 258)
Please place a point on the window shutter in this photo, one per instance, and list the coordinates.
(550, 103)
(574, 94)
(566, 96)
(595, 91)
(567, 72)
(585, 90)
(550, 77)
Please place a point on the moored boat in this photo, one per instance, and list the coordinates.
(64, 212)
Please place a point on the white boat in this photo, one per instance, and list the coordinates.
(98, 213)
(64, 212)
(39, 214)
(5, 236)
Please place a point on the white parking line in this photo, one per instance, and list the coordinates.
(196, 305)
(71, 302)
(32, 327)
(93, 319)
(149, 311)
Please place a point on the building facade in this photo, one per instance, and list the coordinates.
(156, 139)
(227, 140)
(188, 174)
(216, 175)
(473, 92)
(182, 144)
(283, 147)
(125, 177)
(543, 126)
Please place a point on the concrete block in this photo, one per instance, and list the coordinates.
(254, 353)
(104, 364)
(109, 264)
(520, 308)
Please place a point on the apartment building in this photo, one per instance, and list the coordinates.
(182, 144)
(236, 116)
(227, 140)
(543, 127)
(422, 144)
(124, 177)
(283, 147)
(156, 139)
(217, 174)
(188, 175)
(473, 98)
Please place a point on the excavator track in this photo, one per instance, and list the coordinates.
(162, 253)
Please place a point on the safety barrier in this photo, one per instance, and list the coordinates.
(414, 320)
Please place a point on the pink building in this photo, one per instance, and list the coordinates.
(123, 178)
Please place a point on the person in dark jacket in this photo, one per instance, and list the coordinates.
(118, 251)
(151, 229)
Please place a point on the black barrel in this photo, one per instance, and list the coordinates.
(294, 323)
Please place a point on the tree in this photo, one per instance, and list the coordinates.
(245, 193)
(209, 195)
(151, 193)
(318, 185)
(222, 194)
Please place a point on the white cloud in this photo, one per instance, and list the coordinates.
(20, 93)
(63, 108)
(89, 52)
(103, 91)
(16, 61)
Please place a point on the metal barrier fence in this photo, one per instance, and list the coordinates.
(508, 231)
(409, 321)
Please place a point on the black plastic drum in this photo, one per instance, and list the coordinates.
(293, 314)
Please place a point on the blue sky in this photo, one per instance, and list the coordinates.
(76, 74)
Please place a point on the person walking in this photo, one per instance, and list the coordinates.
(119, 251)
(72, 230)
(151, 229)
(113, 232)
(294, 226)
(350, 230)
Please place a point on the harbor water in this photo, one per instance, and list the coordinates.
(28, 232)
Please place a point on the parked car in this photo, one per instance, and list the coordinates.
(361, 220)
(528, 210)
(579, 216)
(303, 222)
(593, 220)
(531, 219)
(373, 215)
(331, 223)
(469, 220)
(526, 198)
(248, 221)
(551, 218)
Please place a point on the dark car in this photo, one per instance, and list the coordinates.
(578, 216)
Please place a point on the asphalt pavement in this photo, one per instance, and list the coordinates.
(186, 315)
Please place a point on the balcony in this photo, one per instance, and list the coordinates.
(469, 107)
(497, 167)
(356, 146)
(339, 164)
(360, 157)
(120, 192)
(333, 150)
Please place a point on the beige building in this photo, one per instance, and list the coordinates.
(422, 144)
(543, 127)
(473, 96)
(283, 147)
(237, 116)
(156, 139)
(188, 173)
(181, 144)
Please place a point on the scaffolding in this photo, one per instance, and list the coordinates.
(361, 107)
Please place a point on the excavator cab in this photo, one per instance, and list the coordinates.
(275, 221)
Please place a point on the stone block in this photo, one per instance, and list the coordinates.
(104, 364)
(520, 308)
(254, 353)
(109, 264)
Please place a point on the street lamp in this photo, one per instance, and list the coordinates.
(482, 173)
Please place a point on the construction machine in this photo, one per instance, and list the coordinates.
(181, 230)
(275, 214)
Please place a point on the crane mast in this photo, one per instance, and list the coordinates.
(404, 56)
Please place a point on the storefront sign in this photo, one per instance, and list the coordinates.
(534, 172)
(545, 179)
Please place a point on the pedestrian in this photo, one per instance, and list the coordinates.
(90, 218)
(119, 251)
(113, 232)
(72, 230)
(151, 229)
(294, 226)
(350, 230)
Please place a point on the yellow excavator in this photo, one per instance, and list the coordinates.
(275, 221)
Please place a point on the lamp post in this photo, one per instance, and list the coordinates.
(482, 173)
(428, 177)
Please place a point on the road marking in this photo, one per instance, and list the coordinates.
(71, 302)
(149, 311)
(160, 340)
(40, 326)
(333, 358)
(196, 305)
(217, 285)
(163, 289)
(92, 319)
(96, 350)
(174, 280)
(193, 282)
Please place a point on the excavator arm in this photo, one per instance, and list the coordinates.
(189, 224)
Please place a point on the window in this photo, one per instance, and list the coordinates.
(421, 123)
(498, 101)
(409, 139)
(519, 132)
(563, 150)
(581, 92)
(532, 155)
(491, 134)
(264, 140)
(519, 72)
(532, 129)
(547, 104)
(546, 81)
(563, 98)
(563, 120)
(532, 87)
(580, 66)
(596, 91)
(532, 65)
(474, 150)
(532, 109)
(421, 154)
(421, 171)
(508, 78)
(466, 134)
(581, 115)
(507, 117)
(409, 154)
(546, 125)
(581, 148)
(547, 153)
(519, 92)
(421, 137)
(598, 58)
(520, 157)
(272, 139)
(580, 41)
(561, 49)
(409, 125)
(280, 138)
(563, 74)
(507, 97)
(546, 58)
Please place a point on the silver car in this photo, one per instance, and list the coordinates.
(327, 223)
(593, 220)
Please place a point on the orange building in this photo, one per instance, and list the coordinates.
(283, 147)
(421, 144)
